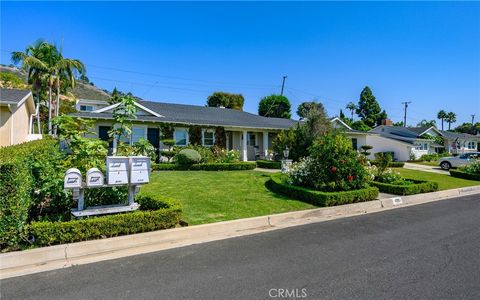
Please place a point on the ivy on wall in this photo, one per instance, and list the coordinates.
(195, 135)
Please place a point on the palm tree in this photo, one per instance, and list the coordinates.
(32, 61)
(451, 118)
(442, 115)
(351, 107)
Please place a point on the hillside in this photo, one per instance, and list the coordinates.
(81, 91)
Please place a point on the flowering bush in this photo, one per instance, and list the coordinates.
(332, 165)
(391, 177)
(473, 168)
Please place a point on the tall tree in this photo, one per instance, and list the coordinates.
(342, 115)
(305, 107)
(227, 100)
(426, 123)
(451, 118)
(275, 106)
(351, 107)
(442, 115)
(123, 115)
(368, 108)
(32, 61)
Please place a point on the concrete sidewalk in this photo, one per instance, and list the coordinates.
(60, 256)
(424, 168)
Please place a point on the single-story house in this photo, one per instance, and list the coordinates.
(421, 139)
(401, 149)
(17, 112)
(251, 134)
(456, 142)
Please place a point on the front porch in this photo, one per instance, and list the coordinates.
(252, 145)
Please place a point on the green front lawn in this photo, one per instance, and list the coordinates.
(427, 163)
(209, 196)
(445, 182)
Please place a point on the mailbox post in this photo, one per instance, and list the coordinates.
(132, 171)
(73, 181)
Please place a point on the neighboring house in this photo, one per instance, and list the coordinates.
(17, 111)
(401, 149)
(90, 104)
(251, 134)
(460, 142)
(421, 139)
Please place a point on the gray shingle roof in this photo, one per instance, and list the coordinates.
(201, 115)
(454, 135)
(13, 96)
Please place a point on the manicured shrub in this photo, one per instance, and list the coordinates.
(278, 184)
(155, 213)
(464, 175)
(15, 201)
(269, 164)
(187, 157)
(393, 164)
(333, 165)
(415, 187)
(207, 167)
(43, 161)
(429, 157)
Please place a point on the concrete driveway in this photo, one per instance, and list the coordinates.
(424, 168)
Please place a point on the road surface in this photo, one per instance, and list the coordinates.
(429, 251)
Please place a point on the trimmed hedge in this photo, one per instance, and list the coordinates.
(417, 187)
(269, 164)
(155, 213)
(206, 167)
(464, 175)
(319, 198)
(15, 200)
(393, 164)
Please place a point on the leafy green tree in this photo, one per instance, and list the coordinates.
(342, 115)
(368, 108)
(398, 124)
(275, 106)
(426, 123)
(366, 149)
(123, 115)
(359, 125)
(442, 115)
(304, 108)
(351, 107)
(451, 118)
(12, 81)
(227, 100)
(468, 128)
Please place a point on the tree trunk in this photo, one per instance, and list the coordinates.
(442, 124)
(49, 109)
(57, 104)
(38, 112)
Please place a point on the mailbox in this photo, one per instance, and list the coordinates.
(94, 177)
(117, 170)
(139, 169)
(72, 179)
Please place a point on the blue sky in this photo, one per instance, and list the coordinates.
(427, 53)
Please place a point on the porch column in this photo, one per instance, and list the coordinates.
(244, 146)
(265, 144)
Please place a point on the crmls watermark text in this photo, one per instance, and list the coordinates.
(288, 293)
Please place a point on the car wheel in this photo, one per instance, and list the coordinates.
(445, 165)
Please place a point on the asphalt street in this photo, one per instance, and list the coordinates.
(429, 251)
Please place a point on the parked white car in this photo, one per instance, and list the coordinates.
(458, 161)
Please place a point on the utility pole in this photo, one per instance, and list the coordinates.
(406, 103)
(473, 118)
(283, 84)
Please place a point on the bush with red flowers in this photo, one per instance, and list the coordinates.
(333, 165)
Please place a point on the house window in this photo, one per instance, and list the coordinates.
(421, 146)
(471, 145)
(86, 108)
(355, 144)
(180, 137)
(137, 133)
(208, 137)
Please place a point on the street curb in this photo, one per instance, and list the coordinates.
(20, 263)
